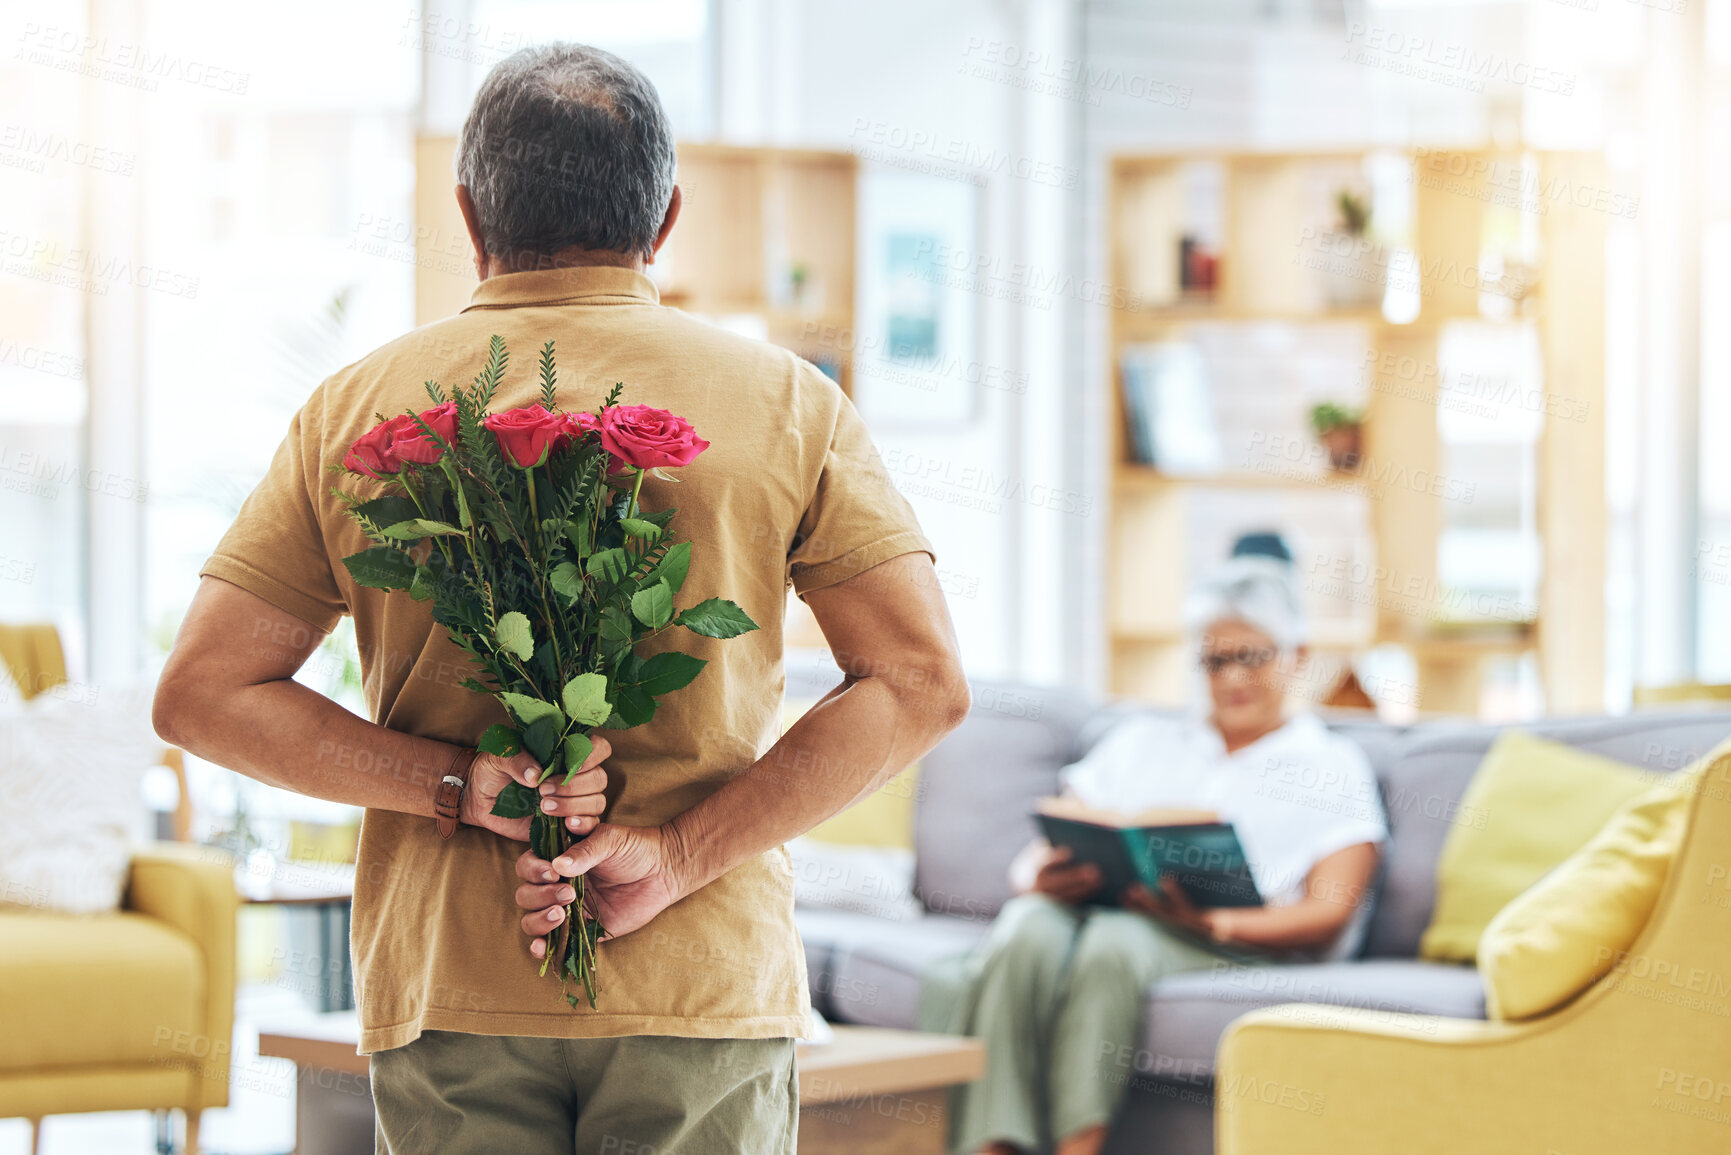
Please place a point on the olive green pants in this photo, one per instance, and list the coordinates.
(1055, 993)
(462, 1094)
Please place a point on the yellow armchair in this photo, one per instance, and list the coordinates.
(1639, 1062)
(124, 1011)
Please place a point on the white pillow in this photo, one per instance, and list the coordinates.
(11, 694)
(71, 763)
(877, 880)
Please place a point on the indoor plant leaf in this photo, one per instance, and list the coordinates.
(637, 527)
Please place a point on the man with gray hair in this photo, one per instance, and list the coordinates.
(566, 171)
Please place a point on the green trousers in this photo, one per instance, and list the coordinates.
(462, 1094)
(1055, 992)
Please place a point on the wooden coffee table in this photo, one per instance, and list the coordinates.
(871, 1091)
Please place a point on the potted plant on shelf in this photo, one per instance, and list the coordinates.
(1353, 268)
(1340, 428)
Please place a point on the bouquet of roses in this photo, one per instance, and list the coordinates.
(523, 530)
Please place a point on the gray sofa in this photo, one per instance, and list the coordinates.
(971, 816)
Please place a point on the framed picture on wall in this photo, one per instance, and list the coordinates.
(914, 359)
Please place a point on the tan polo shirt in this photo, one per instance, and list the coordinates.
(790, 491)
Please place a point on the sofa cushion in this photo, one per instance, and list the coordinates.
(872, 968)
(99, 990)
(1427, 776)
(1186, 1014)
(977, 789)
(1565, 932)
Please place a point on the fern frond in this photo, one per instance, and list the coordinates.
(613, 394)
(487, 380)
(548, 376)
(436, 393)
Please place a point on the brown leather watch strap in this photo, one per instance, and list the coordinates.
(448, 794)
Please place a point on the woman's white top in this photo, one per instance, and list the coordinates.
(1295, 795)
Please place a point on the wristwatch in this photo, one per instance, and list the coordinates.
(448, 795)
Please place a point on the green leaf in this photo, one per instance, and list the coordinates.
(577, 532)
(388, 510)
(501, 740)
(577, 748)
(609, 564)
(515, 801)
(463, 516)
(541, 736)
(665, 673)
(636, 527)
(382, 567)
(673, 568)
(635, 705)
(615, 630)
(716, 618)
(418, 527)
(567, 581)
(514, 634)
(528, 710)
(653, 605)
(421, 588)
(585, 698)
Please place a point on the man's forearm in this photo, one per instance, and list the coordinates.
(289, 735)
(850, 743)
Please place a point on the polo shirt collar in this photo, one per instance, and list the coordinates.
(590, 284)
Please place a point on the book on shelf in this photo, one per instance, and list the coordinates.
(1169, 408)
(1201, 854)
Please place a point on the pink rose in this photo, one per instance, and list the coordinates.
(586, 422)
(647, 437)
(375, 453)
(529, 434)
(415, 445)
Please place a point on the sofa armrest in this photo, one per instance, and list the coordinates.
(191, 888)
(1636, 1062)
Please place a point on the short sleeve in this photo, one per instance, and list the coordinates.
(1351, 808)
(1144, 760)
(855, 518)
(275, 547)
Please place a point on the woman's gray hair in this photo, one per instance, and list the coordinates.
(567, 145)
(1260, 591)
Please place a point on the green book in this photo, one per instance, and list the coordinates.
(1205, 858)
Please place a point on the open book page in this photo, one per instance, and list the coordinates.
(1064, 806)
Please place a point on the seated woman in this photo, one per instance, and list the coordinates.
(1056, 988)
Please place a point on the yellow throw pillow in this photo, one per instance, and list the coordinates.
(1565, 933)
(862, 859)
(1541, 802)
(882, 819)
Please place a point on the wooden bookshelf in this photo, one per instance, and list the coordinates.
(752, 217)
(1266, 216)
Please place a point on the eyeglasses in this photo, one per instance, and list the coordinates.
(1215, 663)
